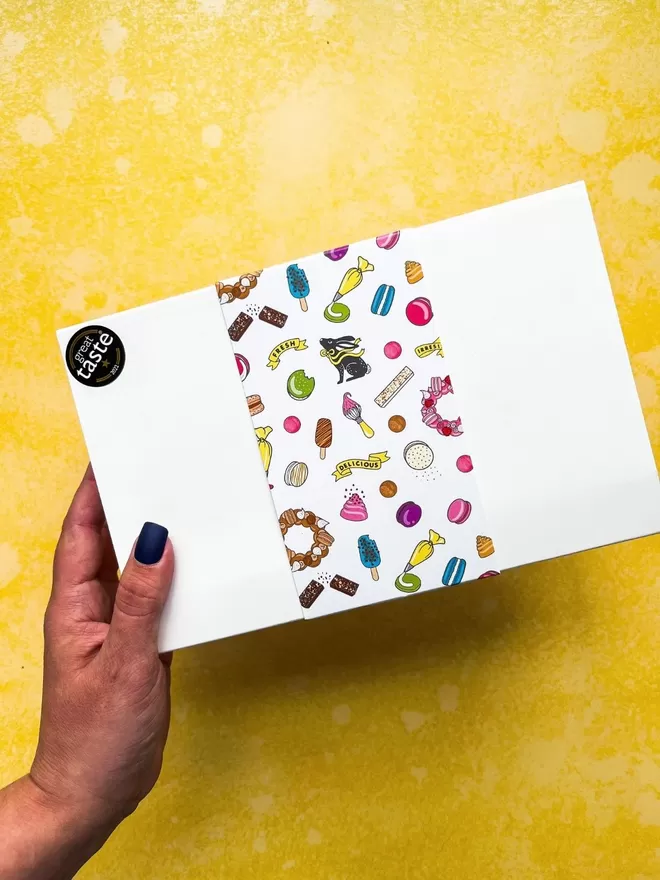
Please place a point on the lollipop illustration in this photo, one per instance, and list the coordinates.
(337, 312)
(369, 554)
(353, 411)
(410, 583)
(298, 284)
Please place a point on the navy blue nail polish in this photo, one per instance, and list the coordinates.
(151, 543)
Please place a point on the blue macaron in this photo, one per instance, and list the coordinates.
(383, 299)
(454, 571)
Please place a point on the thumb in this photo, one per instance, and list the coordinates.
(142, 591)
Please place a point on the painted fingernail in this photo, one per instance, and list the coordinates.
(151, 543)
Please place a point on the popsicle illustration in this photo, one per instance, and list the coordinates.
(323, 435)
(298, 284)
(369, 554)
(337, 312)
(352, 410)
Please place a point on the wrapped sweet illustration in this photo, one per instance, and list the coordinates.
(369, 554)
(353, 411)
(265, 448)
(323, 436)
(344, 356)
(298, 284)
(410, 583)
(337, 312)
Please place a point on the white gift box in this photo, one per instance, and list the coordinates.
(523, 306)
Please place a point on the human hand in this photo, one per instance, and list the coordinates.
(106, 695)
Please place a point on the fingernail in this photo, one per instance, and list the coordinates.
(150, 543)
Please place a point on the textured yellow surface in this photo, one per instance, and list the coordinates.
(506, 728)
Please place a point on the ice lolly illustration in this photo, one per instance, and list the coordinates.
(353, 411)
(337, 312)
(423, 550)
(369, 554)
(323, 435)
(298, 284)
(265, 449)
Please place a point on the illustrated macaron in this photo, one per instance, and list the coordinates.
(243, 365)
(296, 474)
(409, 514)
(337, 253)
(255, 404)
(383, 299)
(454, 571)
(458, 511)
(388, 240)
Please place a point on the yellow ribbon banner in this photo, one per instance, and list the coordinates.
(288, 344)
(428, 348)
(373, 463)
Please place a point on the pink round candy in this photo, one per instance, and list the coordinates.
(464, 464)
(458, 511)
(409, 514)
(489, 574)
(337, 253)
(392, 350)
(291, 424)
(419, 311)
(388, 241)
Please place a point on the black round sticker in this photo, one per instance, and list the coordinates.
(95, 356)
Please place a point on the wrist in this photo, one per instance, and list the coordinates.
(48, 837)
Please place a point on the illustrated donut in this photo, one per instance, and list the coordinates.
(321, 540)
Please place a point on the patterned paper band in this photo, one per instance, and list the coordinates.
(429, 347)
(373, 463)
(295, 344)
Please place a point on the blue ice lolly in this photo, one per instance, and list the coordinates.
(298, 284)
(369, 554)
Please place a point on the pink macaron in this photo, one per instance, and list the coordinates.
(388, 241)
(458, 511)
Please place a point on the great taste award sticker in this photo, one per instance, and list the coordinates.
(95, 356)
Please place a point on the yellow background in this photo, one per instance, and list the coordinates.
(507, 728)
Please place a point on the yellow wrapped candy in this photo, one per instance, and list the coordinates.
(265, 449)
